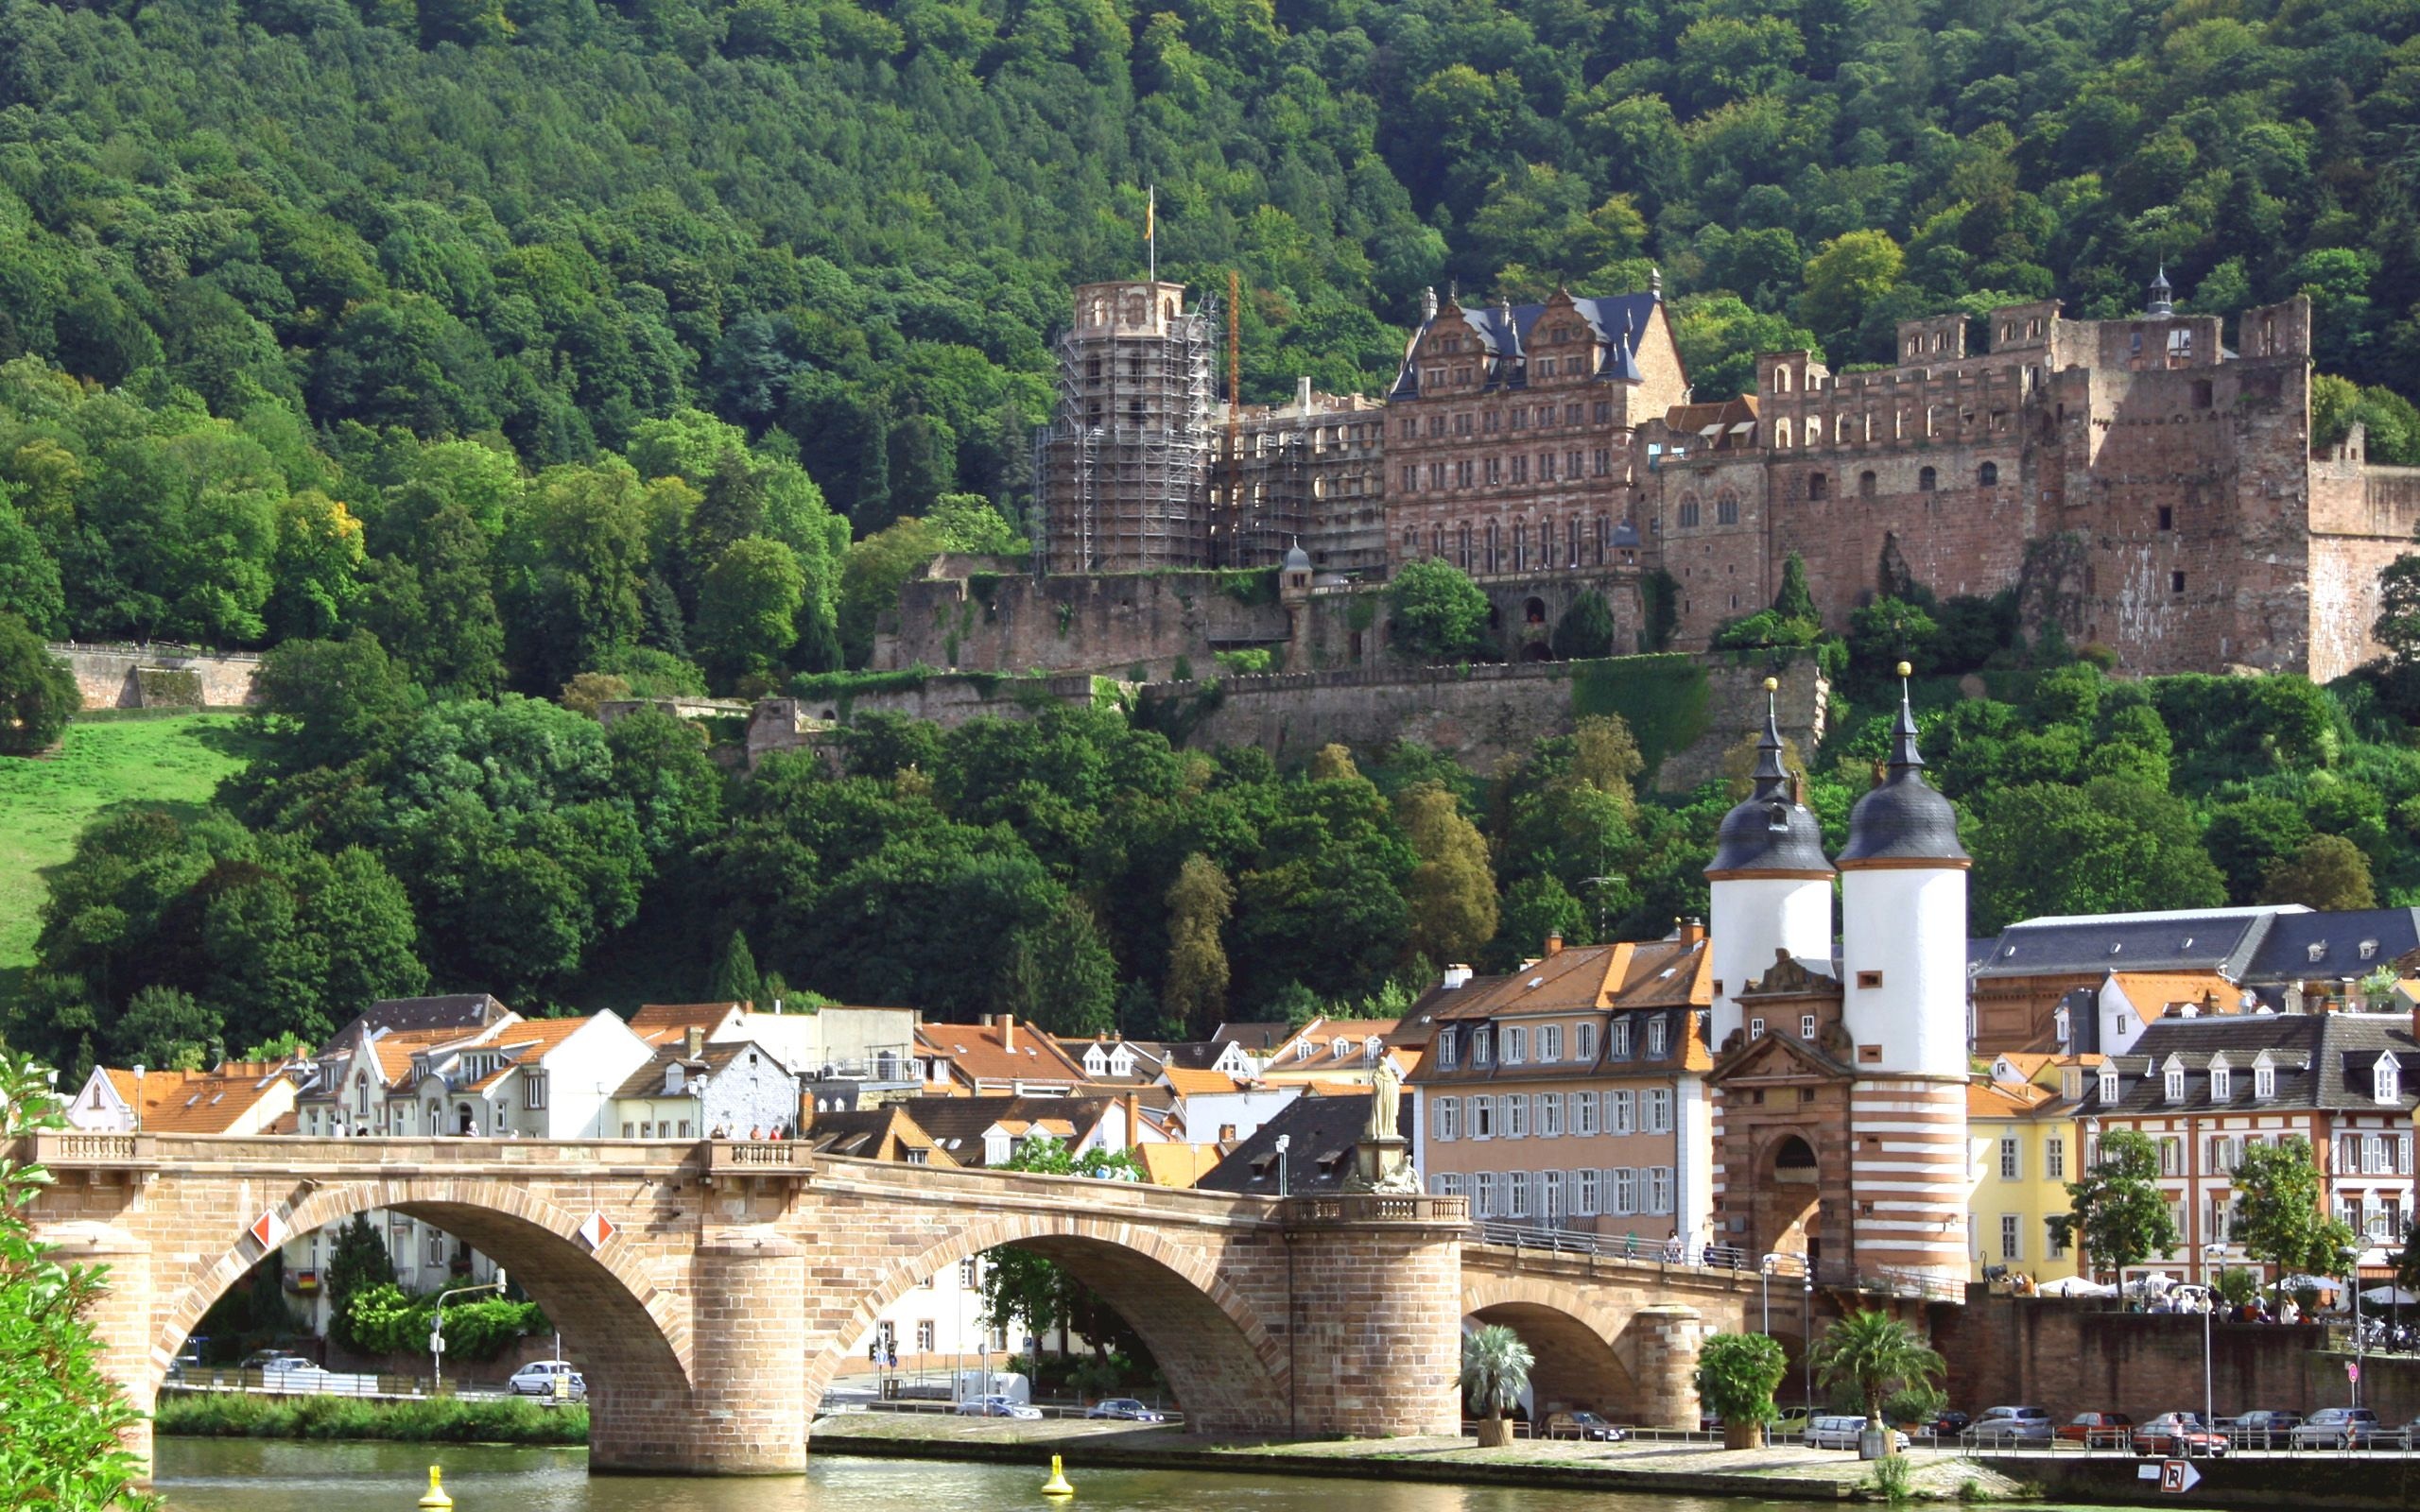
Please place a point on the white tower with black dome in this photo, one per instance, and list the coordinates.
(1902, 960)
(1769, 886)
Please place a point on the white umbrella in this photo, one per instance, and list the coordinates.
(2076, 1286)
(2390, 1297)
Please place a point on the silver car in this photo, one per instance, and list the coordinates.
(539, 1378)
(2013, 1425)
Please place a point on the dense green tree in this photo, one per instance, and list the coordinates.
(1450, 895)
(733, 979)
(748, 609)
(358, 1262)
(2327, 872)
(2279, 1214)
(2118, 1216)
(1198, 904)
(1436, 613)
(1585, 629)
(2110, 846)
(38, 695)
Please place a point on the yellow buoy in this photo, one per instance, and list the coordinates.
(436, 1500)
(1057, 1485)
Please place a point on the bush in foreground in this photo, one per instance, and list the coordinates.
(441, 1420)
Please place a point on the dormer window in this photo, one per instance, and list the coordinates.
(1655, 1036)
(2386, 1080)
(2264, 1081)
(1482, 1046)
(1445, 1049)
(1620, 1049)
(2369, 948)
(2175, 1084)
(2222, 1082)
(2317, 950)
(2061, 1025)
(1303, 1050)
(2071, 1084)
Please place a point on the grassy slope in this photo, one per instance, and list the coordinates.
(44, 803)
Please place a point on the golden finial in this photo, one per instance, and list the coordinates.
(1771, 684)
(1905, 669)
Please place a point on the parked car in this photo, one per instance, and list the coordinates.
(2336, 1428)
(1125, 1409)
(538, 1378)
(2407, 1436)
(2097, 1430)
(2260, 1430)
(276, 1362)
(1950, 1424)
(1585, 1425)
(2011, 1425)
(1790, 1424)
(2180, 1436)
(1841, 1431)
(996, 1407)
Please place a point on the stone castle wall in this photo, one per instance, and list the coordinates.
(1111, 622)
(1684, 711)
(159, 676)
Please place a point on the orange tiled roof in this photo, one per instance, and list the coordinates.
(1175, 1164)
(2150, 992)
(1197, 1083)
(198, 1102)
(978, 1052)
(663, 1023)
(2000, 1099)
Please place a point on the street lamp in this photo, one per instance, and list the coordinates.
(1284, 1142)
(1806, 1341)
(2209, 1306)
(2351, 1259)
(436, 1328)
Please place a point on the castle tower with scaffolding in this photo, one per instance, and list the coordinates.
(1124, 471)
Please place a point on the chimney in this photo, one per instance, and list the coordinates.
(1009, 1033)
(1133, 1121)
(1692, 929)
(1303, 393)
(1458, 976)
(1554, 944)
(694, 1040)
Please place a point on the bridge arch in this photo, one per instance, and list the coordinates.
(1227, 1371)
(1575, 1339)
(629, 1336)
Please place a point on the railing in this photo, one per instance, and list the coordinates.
(761, 1155)
(316, 1382)
(63, 1150)
(1379, 1207)
(1835, 1274)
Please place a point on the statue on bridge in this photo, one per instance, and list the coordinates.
(1385, 1102)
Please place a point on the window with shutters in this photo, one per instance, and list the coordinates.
(1583, 1043)
(1446, 1122)
(1550, 1197)
(1625, 1190)
(1550, 1110)
(1516, 1196)
(1516, 1044)
(1618, 1107)
(1659, 1189)
(1513, 1110)
(1587, 1187)
(1483, 1118)
(1549, 1042)
(1583, 1114)
(1658, 1111)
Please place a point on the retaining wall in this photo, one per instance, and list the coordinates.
(159, 676)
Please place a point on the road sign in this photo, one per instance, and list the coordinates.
(595, 1229)
(268, 1230)
(436, 1343)
(2352, 1369)
(2178, 1476)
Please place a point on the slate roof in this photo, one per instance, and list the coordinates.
(647, 1081)
(1254, 1036)
(1616, 322)
(1323, 1134)
(2322, 1061)
(1904, 820)
(884, 1133)
(2285, 952)
(459, 1011)
(2212, 939)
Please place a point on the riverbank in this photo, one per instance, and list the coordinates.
(437, 1420)
(1780, 1472)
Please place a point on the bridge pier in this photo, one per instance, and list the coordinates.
(1664, 1340)
(1375, 1317)
(120, 1316)
(747, 1410)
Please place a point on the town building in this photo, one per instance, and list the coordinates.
(1571, 1093)
(1315, 1147)
(1336, 1052)
(2025, 1146)
(2094, 982)
(736, 1089)
(2204, 1088)
(235, 1097)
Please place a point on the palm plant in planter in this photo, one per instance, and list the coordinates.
(1875, 1355)
(1495, 1370)
(1736, 1374)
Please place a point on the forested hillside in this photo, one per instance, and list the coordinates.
(309, 237)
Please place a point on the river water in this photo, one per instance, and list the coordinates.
(255, 1475)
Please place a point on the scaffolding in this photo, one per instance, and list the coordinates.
(1123, 472)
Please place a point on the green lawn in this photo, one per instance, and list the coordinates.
(44, 803)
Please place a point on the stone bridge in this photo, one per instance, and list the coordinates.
(711, 1290)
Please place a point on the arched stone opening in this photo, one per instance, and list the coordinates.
(630, 1340)
(1225, 1370)
(1789, 1220)
(1575, 1364)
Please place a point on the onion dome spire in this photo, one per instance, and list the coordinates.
(1770, 831)
(1903, 820)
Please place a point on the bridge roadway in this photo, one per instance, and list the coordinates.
(711, 1289)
